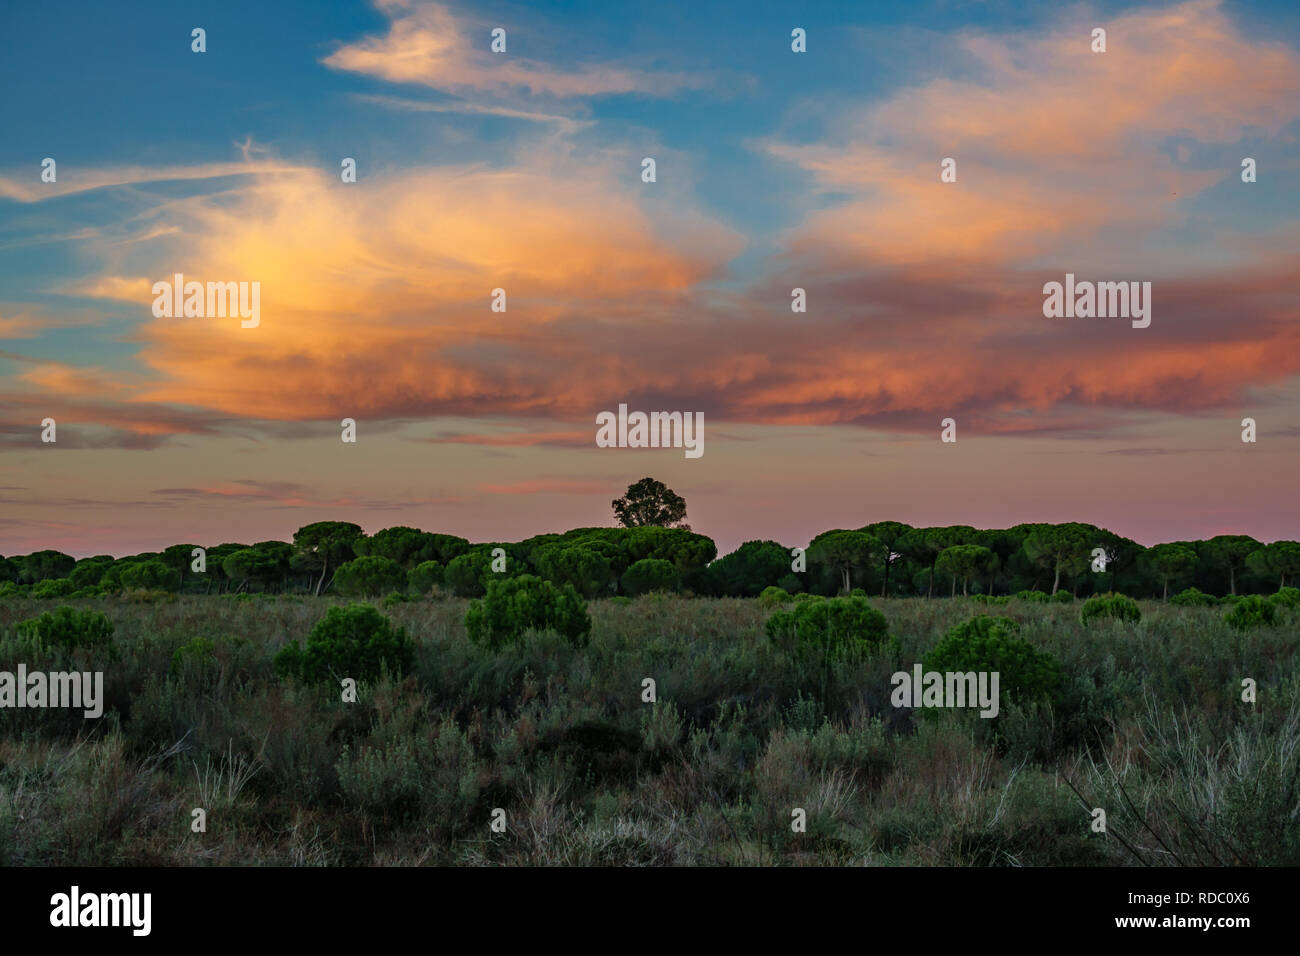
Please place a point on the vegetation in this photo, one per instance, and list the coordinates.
(1145, 719)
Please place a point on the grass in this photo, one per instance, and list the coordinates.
(1152, 730)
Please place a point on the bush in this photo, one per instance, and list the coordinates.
(516, 605)
(830, 628)
(354, 641)
(649, 574)
(68, 629)
(806, 597)
(1031, 596)
(1193, 597)
(424, 577)
(992, 644)
(369, 577)
(991, 599)
(1062, 597)
(1287, 597)
(1252, 611)
(773, 597)
(53, 588)
(1118, 606)
(196, 663)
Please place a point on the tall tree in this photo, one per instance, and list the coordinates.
(1229, 552)
(1281, 558)
(965, 561)
(1170, 561)
(889, 534)
(650, 502)
(843, 551)
(1061, 548)
(326, 544)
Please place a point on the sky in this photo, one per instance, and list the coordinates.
(523, 171)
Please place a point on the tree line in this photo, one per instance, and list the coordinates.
(889, 558)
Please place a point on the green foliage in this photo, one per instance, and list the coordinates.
(844, 552)
(424, 577)
(465, 574)
(829, 629)
(649, 574)
(650, 502)
(587, 570)
(1193, 597)
(1117, 606)
(749, 569)
(1062, 597)
(151, 575)
(68, 629)
(1286, 597)
(989, 644)
(514, 606)
(195, 663)
(1250, 612)
(353, 641)
(993, 599)
(773, 597)
(369, 577)
(1038, 596)
(43, 565)
(52, 588)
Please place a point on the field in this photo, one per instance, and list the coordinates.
(1152, 729)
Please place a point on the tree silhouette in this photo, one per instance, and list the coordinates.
(650, 502)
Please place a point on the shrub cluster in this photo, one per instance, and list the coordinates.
(516, 605)
(1118, 606)
(354, 641)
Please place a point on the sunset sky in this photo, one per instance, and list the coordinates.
(522, 171)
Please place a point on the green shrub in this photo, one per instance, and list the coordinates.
(68, 629)
(1062, 597)
(369, 577)
(773, 597)
(1252, 611)
(515, 605)
(1031, 596)
(649, 574)
(354, 641)
(806, 598)
(992, 644)
(1287, 597)
(991, 599)
(830, 628)
(53, 588)
(8, 589)
(858, 592)
(1193, 597)
(424, 577)
(196, 663)
(1118, 606)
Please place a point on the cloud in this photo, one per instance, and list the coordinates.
(428, 45)
(1054, 144)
